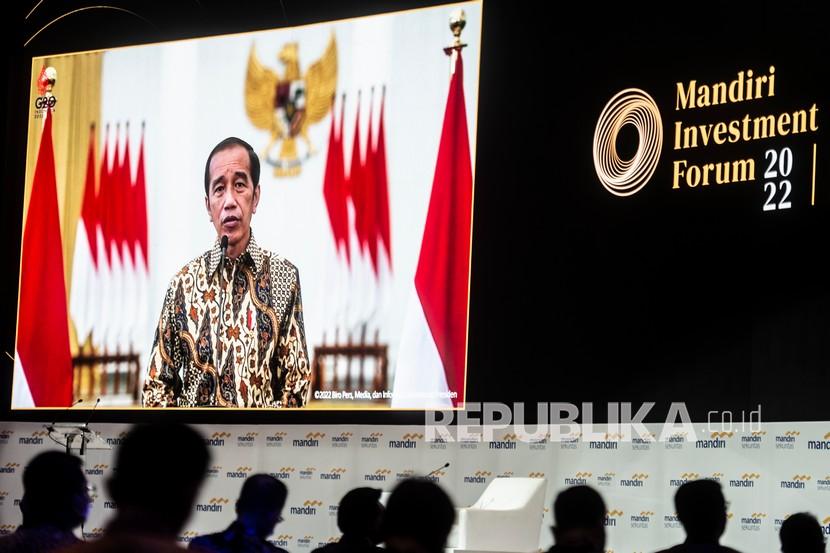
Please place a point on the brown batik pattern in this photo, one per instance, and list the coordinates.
(261, 350)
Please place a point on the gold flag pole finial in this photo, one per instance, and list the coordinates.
(458, 20)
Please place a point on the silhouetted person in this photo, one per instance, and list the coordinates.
(701, 509)
(579, 521)
(359, 517)
(419, 516)
(158, 471)
(258, 510)
(55, 501)
(801, 533)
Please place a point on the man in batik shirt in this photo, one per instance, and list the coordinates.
(256, 355)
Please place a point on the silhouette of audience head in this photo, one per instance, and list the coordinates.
(55, 491)
(260, 504)
(801, 533)
(359, 514)
(158, 471)
(579, 519)
(419, 516)
(701, 508)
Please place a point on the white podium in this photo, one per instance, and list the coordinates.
(506, 518)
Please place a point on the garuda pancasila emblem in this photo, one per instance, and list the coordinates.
(287, 106)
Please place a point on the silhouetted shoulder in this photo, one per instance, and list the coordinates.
(684, 548)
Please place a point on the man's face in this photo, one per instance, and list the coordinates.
(268, 521)
(262, 520)
(232, 197)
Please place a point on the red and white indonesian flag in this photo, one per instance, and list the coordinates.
(110, 265)
(382, 231)
(127, 247)
(338, 254)
(432, 358)
(111, 205)
(84, 288)
(43, 364)
(102, 309)
(360, 301)
(144, 327)
(359, 255)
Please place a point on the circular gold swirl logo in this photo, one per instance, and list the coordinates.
(624, 177)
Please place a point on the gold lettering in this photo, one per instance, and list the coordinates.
(745, 133)
(799, 121)
(705, 133)
(690, 137)
(724, 172)
(766, 124)
(719, 170)
(706, 168)
(686, 98)
(678, 173)
(745, 86)
(740, 167)
(734, 131)
(745, 129)
(720, 129)
(678, 127)
(737, 84)
(693, 176)
(783, 121)
(719, 93)
(703, 91)
(758, 81)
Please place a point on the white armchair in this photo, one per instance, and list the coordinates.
(507, 517)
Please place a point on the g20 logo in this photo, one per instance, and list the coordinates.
(43, 102)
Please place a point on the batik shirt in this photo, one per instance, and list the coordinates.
(260, 357)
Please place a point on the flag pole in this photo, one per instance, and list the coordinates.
(458, 20)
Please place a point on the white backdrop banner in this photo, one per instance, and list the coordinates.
(766, 475)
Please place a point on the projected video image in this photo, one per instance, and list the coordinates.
(280, 219)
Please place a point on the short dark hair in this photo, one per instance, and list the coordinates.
(135, 485)
(230, 142)
(701, 508)
(579, 507)
(261, 492)
(359, 512)
(801, 533)
(51, 483)
(419, 510)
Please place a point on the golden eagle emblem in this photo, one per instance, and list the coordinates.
(286, 106)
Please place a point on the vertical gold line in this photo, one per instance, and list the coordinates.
(813, 196)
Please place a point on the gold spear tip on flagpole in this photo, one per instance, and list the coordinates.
(458, 20)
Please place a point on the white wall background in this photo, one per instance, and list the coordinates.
(270, 449)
